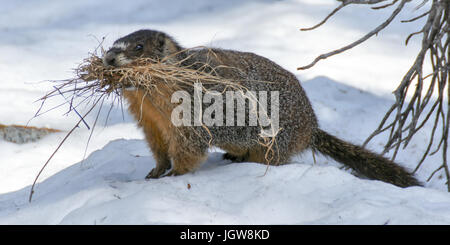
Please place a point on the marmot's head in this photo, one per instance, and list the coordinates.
(140, 44)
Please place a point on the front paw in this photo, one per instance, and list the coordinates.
(172, 173)
(155, 173)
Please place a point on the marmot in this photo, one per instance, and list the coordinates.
(185, 152)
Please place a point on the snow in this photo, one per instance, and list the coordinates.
(45, 39)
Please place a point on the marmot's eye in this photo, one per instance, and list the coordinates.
(138, 47)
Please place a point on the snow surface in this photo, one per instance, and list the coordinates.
(44, 40)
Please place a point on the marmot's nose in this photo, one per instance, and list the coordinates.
(109, 59)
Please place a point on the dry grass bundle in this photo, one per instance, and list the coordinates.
(95, 82)
(144, 73)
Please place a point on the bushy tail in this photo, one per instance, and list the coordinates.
(367, 163)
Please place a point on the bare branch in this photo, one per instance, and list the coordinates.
(57, 148)
(411, 35)
(361, 40)
(416, 18)
(324, 20)
(386, 5)
(346, 2)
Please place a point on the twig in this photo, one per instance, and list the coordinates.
(416, 18)
(324, 20)
(56, 150)
(386, 5)
(359, 41)
(75, 110)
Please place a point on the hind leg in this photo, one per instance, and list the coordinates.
(256, 154)
(270, 156)
(235, 158)
(253, 154)
(235, 154)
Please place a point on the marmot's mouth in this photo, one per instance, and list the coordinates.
(115, 57)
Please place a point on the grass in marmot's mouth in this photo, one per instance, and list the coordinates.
(93, 77)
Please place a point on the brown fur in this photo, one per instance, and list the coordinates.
(185, 148)
(159, 132)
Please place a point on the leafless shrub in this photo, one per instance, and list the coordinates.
(405, 118)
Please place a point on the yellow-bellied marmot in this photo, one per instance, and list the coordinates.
(297, 121)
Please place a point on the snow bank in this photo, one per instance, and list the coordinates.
(108, 188)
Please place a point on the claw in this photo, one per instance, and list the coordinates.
(171, 173)
(155, 173)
